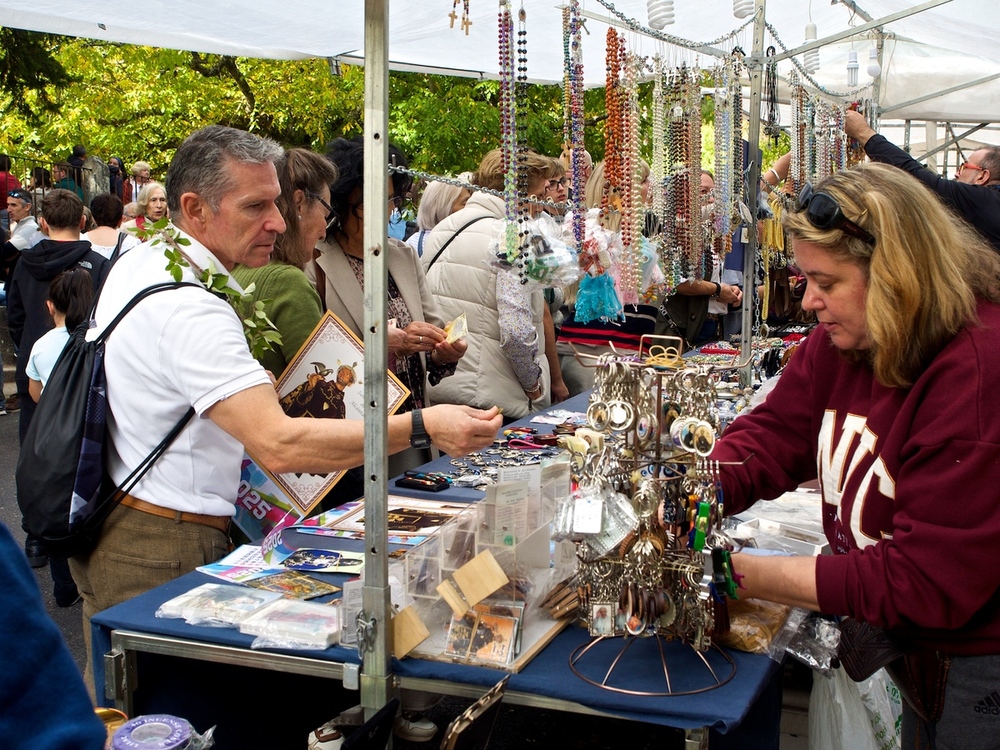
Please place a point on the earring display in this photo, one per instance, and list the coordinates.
(652, 560)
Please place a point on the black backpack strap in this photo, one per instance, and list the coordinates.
(118, 247)
(452, 239)
(147, 292)
(139, 471)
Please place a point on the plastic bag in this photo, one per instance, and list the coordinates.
(885, 709)
(539, 256)
(838, 719)
(754, 624)
(815, 644)
(849, 715)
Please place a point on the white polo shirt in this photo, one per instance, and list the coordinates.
(178, 348)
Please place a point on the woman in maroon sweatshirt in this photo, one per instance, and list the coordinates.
(891, 404)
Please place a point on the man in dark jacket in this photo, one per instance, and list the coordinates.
(28, 318)
(974, 194)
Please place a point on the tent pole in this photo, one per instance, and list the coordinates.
(375, 646)
(756, 69)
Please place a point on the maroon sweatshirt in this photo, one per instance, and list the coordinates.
(910, 481)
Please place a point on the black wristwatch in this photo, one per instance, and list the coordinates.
(418, 435)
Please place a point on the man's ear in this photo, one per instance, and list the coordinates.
(43, 225)
(195, 211)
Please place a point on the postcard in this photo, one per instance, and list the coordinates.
(294, 585)
(324, 561)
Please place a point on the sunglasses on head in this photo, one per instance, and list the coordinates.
(824, 212)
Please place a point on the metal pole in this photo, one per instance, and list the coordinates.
(756, 69)
(376, 663)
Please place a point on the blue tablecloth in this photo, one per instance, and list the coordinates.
(548, 674)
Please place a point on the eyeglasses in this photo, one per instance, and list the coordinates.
(553, 184)
(330, 215)
(823, 212)
(970, 165)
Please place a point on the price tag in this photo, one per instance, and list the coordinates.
(587, 515)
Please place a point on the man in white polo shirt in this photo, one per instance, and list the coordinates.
(186, 348)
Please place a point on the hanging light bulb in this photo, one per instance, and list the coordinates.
(742, 8)
(661, 13)
(874, 69)
(810, 60)
(852, 68)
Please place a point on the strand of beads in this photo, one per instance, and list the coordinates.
(508, 128)
(723, 191)
(574, 85)
(632, 206)
(521, 106)
(613, 131)
(795, 178)
(737, 153)
(657, 175)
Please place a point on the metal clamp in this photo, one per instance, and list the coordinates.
(366, 634)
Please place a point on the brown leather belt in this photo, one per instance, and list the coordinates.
(216, 522)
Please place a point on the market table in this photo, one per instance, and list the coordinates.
(132, 648)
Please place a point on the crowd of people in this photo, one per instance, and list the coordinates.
(900, 273)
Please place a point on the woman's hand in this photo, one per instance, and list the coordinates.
(446, 354)
(416, 337)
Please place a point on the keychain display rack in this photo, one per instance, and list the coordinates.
(652, 559)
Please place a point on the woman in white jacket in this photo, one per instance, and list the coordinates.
(505, 364)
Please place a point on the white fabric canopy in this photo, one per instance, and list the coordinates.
(936, 49)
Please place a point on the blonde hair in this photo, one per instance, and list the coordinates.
(593, 193)
(490, 174)
(925, 271)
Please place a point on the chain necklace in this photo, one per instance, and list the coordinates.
(632, 208)
(796, 171)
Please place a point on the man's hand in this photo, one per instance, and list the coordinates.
(731, 294)
(458, 430)
(856, 126)
(559, 390)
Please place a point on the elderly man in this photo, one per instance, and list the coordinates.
(186, 348)
(974, 194)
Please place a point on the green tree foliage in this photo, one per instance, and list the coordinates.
(141, 102)
(27, 65)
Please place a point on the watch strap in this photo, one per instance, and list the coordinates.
(418, 433)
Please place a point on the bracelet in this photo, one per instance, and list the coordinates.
(777, 176)
(718, 289)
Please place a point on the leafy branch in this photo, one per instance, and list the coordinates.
(260, 332)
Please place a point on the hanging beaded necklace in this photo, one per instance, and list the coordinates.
(632, 208)
(508, 129)
(573, 114)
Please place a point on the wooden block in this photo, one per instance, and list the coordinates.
(408, 631)
(480, 577)
(450, 594)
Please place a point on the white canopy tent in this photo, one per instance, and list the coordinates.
(932, 51)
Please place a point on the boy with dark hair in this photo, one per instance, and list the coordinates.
(28, 319)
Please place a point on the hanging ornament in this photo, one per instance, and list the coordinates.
(810, 60)
(852, 68)
(874, 69)
(772, 127)
(661, 13)
(742, 8)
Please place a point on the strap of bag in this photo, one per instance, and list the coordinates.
(118, 247)
(452, 238)
(148, 291)
(139, 471)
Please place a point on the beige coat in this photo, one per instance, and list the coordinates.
(464, 281)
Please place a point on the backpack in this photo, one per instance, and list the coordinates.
(63, 488)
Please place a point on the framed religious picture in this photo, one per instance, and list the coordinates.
(323, 381)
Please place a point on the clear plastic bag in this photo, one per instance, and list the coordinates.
(815, 642)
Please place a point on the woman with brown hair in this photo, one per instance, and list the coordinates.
(294, 306)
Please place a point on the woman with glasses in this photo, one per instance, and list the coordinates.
(294, 307)
(417, 347)
(557, 189)
(889, 404)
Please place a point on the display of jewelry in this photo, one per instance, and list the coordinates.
(652, 560)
